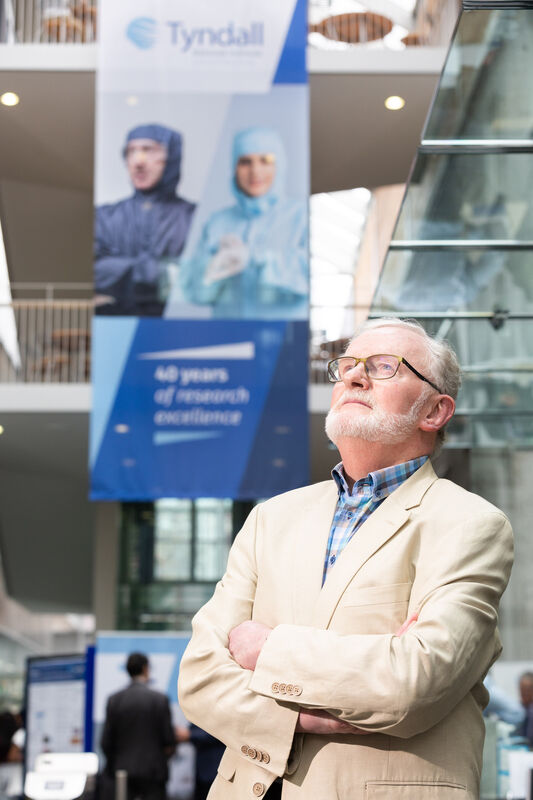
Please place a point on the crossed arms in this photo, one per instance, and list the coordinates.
(376, 683)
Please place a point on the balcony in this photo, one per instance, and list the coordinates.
(45, 336)
(50, 334)
(333, 24)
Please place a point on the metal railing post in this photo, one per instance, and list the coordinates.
(121, 784)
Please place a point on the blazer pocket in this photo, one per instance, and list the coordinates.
(228, 765)
(414, 790)
(377, 595)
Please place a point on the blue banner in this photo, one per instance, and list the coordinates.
(198, 408)
(201, 250)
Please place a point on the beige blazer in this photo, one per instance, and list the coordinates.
(432, 549)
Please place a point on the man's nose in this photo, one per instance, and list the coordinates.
(356, 376)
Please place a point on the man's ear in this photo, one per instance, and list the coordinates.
(439, 413)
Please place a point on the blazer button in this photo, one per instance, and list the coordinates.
(275, 688)
(297, 690)
(252, 752)
(290, 688)
(283, 688)
(244, 749)
(259, 789)
(265, 758)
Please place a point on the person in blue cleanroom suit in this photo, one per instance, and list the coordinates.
(137, 239)
(252, 259)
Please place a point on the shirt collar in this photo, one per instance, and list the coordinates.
(378, 484)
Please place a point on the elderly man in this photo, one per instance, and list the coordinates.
(345, 647)
(137, 239)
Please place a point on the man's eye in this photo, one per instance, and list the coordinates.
(384, 367)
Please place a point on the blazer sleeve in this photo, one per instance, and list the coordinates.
(213, 689)
(403, 685)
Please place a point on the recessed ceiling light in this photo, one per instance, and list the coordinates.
(121, 428)
(394, 102)
(132, 100)
(9, 99)
(1, 429)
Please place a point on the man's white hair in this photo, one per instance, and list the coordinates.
(441, 363)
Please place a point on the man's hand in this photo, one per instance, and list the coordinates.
(404, 627)
(323, 723)
(246, 641)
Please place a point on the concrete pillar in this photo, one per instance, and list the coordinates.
(106, 563)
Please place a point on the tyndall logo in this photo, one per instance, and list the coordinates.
(144, 32)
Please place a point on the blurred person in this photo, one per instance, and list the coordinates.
(8, 727)
(138, 736)
(344, 650)
(525, 686)
(252, 258)
(137, 239)
(502, 706)
(12, 740)
(208, 752)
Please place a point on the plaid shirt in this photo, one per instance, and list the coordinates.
(355, 507)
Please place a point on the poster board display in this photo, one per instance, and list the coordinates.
(56, 705)
(164, 652)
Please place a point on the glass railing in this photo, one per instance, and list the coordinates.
(485, 90)
(461, 256)
(468, 197)
(461, 262)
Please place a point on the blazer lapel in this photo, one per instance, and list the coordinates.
(309, 553)
(367, 540)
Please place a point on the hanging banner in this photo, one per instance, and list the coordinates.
(201, 250)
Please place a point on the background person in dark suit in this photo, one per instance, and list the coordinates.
(209, 751)
(138, 736)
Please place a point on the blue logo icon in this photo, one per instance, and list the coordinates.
(142, 32)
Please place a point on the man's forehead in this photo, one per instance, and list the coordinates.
(145, 143)
(396, 341)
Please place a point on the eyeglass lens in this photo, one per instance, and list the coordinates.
(378, 366)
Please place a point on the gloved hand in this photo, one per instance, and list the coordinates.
(231, 258)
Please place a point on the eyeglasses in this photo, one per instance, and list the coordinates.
(378, 367)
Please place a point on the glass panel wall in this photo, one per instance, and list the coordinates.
(468, 196)
(172, 553)
(486, 87)
(461, 262)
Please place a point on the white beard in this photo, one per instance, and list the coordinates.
(376, 426)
